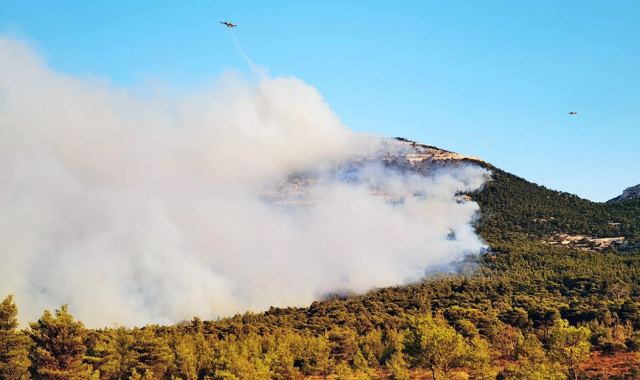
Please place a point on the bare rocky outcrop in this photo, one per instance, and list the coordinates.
(628, 193)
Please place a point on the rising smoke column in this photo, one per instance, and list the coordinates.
(135, 210)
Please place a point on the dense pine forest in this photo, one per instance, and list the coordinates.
(528, 308)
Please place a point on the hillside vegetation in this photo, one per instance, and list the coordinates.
(526, 309)
(511, 204)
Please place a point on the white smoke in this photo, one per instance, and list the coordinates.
(152, 209)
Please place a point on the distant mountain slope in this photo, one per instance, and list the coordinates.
(512, 205)
(629, 193)
(508, 204)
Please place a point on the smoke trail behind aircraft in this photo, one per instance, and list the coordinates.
(138, 210)
(244, 55)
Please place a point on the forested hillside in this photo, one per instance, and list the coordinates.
(526, 309)
(511, 204)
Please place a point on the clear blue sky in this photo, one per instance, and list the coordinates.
(488, 78)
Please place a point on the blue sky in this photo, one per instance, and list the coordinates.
(494, 79)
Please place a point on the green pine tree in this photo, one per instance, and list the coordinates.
(151, 354)
(14, 345)
(569, 345)
(432, 343)
(59, 347)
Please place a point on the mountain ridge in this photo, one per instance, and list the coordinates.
(510, 204)
(628, 193)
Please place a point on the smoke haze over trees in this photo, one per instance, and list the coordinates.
(156, 200)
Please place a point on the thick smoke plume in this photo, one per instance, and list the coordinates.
(136, 209)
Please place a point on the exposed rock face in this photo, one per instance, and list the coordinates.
(399, 154)
(628, 193)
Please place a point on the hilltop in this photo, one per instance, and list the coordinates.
(511, 205)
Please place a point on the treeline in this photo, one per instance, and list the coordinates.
(58, 347)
